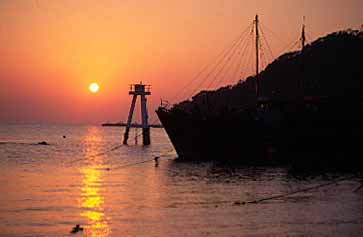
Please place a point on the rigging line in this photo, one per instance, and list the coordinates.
(138, 163)
(219, 62)
(245, 67)
(294, 46)
(225, 65)
(242, 59)
(288, 47)
(230, 71)
(132, 164)
(97, 155)
(215, 65)
(294, 192)
(250, 66)
(264, 60)
(221, 80)
(238, 66)
(273, 33)
(246, 60)
(209, 74)
(262, 57)
(209, 64)
(308, 30)
(179, 93)
(109, 151)
(267, 57)
(214, 68)
(267, 44)
(309, 37)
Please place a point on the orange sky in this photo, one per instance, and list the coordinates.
(51, 50)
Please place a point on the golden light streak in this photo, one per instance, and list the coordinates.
(92, 200)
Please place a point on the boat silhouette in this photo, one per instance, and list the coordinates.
(305, 108)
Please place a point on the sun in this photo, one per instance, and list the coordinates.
(94, 87)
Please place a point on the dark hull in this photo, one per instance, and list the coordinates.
(214, 139)
(326, 132)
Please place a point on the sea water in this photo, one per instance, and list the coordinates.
(86, 177)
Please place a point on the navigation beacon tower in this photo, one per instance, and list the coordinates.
(142, 91)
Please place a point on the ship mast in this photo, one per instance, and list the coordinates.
(303, 42)
(303, 38)
(257, 59)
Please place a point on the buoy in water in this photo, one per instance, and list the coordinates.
(76, 229)
(156, 159)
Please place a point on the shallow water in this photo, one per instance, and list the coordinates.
(47, 190)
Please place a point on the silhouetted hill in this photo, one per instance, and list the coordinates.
(330, 66)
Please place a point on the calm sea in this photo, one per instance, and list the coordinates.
(82, 179)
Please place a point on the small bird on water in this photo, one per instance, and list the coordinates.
(76, 229)
(156, 159)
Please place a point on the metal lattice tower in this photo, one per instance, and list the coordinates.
(142, 91)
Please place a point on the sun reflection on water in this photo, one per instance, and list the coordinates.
(92, 200)
(92, 203)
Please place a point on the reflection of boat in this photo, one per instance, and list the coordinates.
(301, 105)
(134, 125)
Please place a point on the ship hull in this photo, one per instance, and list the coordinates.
(213, 139)
(327, 132)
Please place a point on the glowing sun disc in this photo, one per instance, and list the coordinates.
(94, 87)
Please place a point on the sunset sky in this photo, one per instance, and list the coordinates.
(50, 50)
